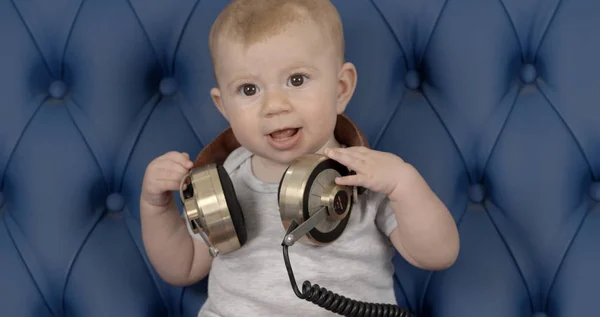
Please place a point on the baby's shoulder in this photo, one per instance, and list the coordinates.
(376, 206)
(372, 200)
(236, 159)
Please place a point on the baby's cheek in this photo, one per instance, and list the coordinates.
(323, 120)
(243, 129)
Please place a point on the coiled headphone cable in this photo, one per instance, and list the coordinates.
(337, 303)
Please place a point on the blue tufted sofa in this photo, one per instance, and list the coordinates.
(497, 103)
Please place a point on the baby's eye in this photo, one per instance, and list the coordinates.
(297, 79)
(248, 89)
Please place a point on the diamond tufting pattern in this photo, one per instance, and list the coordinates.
(496, 102)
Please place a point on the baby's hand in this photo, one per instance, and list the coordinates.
(375, 170)
(163, 176)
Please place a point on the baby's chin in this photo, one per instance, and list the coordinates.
(286, 157)
(283, 158)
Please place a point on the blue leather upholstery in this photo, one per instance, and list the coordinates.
(497, 103)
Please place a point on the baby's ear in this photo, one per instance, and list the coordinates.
(347, 84)
(215, 93)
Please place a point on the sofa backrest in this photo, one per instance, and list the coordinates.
(496, 103)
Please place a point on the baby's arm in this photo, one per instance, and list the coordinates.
(177, 257)
(426, 234)
(417, 222)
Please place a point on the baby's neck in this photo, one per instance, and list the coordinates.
(269, 171)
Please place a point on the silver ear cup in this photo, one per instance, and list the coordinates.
(309, 197)
(206, 210)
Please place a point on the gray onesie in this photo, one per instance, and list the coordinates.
(253, 281)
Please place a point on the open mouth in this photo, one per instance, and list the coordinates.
(284, 134)
(285, 139)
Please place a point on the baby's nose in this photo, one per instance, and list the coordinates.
(276, 102)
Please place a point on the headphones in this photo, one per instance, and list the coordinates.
(314, 210)
(307, 196)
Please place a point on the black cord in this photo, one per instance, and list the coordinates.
(336, 303)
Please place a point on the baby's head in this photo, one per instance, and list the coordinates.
(281, 75)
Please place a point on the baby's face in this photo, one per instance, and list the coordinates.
(281, 95)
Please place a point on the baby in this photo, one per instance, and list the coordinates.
(283, 85)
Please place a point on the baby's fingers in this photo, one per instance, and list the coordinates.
(351, 159)
(180, 158)
(350, 180)
(168, 184)
(177, 170)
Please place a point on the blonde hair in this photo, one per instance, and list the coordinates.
(251, 21)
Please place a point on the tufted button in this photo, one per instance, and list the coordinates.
(476, 193)
(412, 79)
(539, 314)
(57, 89)
(1, 199)
(595, 191)
(168, 86)
(528, 73)
(115, 202)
